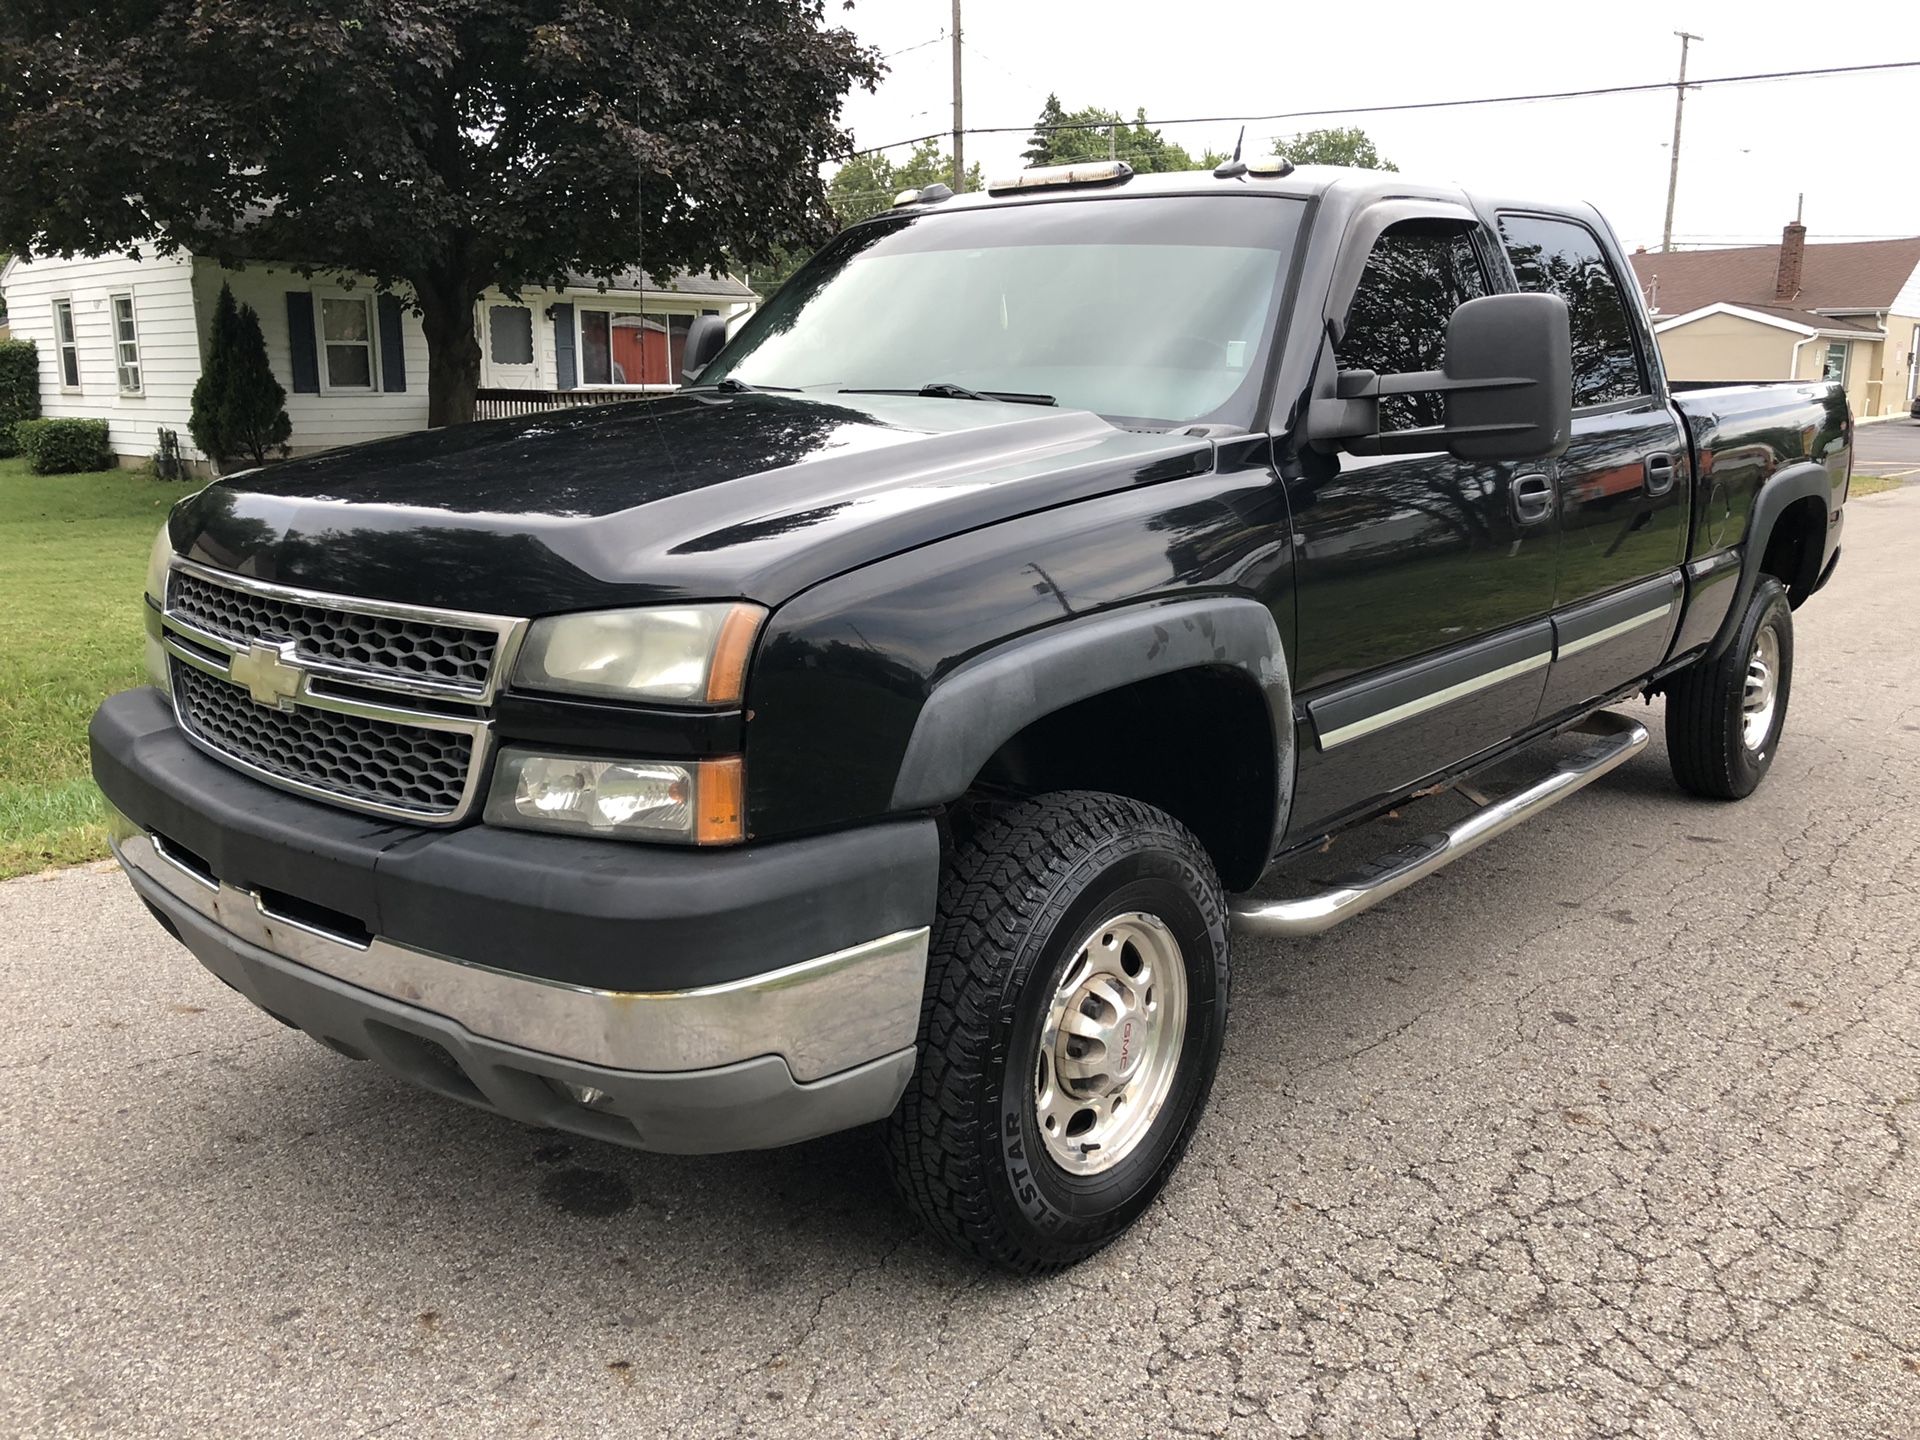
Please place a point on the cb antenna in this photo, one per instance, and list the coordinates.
(1236, 167)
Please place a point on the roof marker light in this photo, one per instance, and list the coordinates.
(926, 195)
(1102, 172)
(1270, 167)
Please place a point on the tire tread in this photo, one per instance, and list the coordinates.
(1704, 750)
(1000, 876)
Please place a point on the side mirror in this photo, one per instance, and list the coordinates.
(706, 338)
(1511, 357)
(1508, 384)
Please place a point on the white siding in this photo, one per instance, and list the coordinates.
(163, 311)
(322, 421)
(1907, 302)
(545, 367)
(173, 307)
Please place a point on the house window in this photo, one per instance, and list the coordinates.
(1836, 366)
(346, 336)
(126, 345)
(510, 334)
(69, 349)
(632, 349)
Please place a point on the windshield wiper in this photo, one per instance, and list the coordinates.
(944, 390)
(731, 386)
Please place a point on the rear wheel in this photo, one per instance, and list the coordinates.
(1724, 718)
(1076, 1001)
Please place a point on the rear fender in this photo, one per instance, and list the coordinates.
(1790, 485)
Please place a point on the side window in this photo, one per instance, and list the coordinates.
(1419, 273)
(1565, 258)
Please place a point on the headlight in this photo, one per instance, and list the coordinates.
(159, 560)
(680, 655)
(698, 803)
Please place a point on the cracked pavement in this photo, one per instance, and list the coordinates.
(1606, 1130)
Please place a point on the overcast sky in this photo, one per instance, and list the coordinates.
(1852, 144)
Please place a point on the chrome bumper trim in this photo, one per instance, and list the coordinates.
(822, 1015)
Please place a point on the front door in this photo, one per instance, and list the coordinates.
(1425, 582)
(1624, 483)
(511, 361)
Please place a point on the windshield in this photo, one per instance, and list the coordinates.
(1156, 310)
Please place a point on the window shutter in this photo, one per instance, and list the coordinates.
(306, 352)
(393, 347)
(565, 374)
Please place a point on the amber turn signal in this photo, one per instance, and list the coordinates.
(722, 800)
(727, 675)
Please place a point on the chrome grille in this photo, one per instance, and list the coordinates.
(381, 648)
(396, 767)
(367, 704)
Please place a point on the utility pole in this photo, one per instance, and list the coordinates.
(959, 137)
(1673, 166)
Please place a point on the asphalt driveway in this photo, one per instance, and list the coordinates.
(1888, 447)
(1612, 1129)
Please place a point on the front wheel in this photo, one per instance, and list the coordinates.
(1076, 1002)
(1724, 718)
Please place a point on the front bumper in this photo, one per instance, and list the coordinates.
(747, 1041)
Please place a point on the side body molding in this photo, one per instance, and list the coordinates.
(1795, 482)
(991, 698)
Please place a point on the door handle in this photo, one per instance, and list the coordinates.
(1531, 497)
(1660, 474)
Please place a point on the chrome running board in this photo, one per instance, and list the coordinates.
(1618, 739)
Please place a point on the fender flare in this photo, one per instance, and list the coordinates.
(992, 697)
(1803, 481)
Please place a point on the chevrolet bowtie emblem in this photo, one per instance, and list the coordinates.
(268, 672)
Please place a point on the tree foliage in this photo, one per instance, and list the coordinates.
(438, 146)
(239, 408)
(1067, 137)
(1346, 145)
(867, 184)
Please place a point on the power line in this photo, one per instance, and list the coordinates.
(909, 49)
(1655, 85)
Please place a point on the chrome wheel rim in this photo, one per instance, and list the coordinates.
(1761, 692)
(1110, 1043)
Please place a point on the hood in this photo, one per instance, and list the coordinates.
(756, 496)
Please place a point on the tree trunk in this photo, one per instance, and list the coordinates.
(453, 354)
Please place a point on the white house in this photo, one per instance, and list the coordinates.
(121, 339)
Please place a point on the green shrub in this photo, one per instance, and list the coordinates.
(239, 409)
(64, 446)
(19, 389)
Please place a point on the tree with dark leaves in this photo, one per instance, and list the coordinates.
(441, 147)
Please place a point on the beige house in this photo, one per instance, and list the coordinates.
(1793, 311)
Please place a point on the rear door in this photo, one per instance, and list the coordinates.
(1624, 483)
(1424, 582)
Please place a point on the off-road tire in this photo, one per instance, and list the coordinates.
(1705, 705)
(1023, 888)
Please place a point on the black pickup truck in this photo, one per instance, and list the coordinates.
(894, 725)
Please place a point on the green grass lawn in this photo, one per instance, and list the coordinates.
(1864, 485)
(73, 555)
